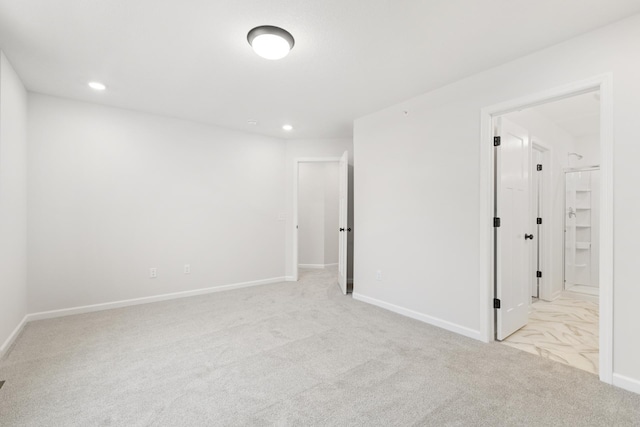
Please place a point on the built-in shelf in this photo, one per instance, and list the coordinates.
(583, 226)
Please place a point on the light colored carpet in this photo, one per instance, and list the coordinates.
(564, 330)
(286, 354)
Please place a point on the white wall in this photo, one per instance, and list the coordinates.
(318, 213)
(589, 147)
(114, 192)
(331, 212)
(13, 203)
(417, 187)
(311, 214)
(300, 148)
(544, 132)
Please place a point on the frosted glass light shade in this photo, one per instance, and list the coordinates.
(270, 42)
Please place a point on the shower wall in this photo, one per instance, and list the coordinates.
(582, 231)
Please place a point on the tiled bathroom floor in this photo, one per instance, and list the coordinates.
(564, 330)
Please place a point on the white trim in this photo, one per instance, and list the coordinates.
(294, 223)
(146, 300)
(626, 383)
(317, 265)
(12, 338)
(546, 261)
(289, 279)
(604, 84)
(462, 330)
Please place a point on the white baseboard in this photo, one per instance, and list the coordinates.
(462, 330)
(626, 383)
(317, 265)
(146, 300)
(289, 279)
(12, 338)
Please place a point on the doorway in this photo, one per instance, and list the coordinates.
(336, 220)
(507, 244)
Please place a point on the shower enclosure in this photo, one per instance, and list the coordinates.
(581, 230)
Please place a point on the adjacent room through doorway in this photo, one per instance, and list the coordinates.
(548, 199)
(318, 215)
(321, 216)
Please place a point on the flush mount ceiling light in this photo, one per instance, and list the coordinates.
(270, 42)
(287, 127)
(97, 86)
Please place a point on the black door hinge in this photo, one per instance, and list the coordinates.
(538, 274)
(496, 303)
(538, 220)
(496, 222)
(539, 167)
(496, 141)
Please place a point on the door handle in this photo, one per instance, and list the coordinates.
(342, 229)
(528, 236)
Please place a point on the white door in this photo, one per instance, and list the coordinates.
(343, 221)
(513, 272)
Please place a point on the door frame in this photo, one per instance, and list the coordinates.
(546, 240)
(294, 223)
(603, 83)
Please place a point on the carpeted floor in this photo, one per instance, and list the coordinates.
(286, 354)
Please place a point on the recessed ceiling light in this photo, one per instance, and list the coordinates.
(270, 42)
(97, 86)
(252, 122)
(287, 127)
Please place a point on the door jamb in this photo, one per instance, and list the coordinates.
(603, 83)
(546, 260)
(294, 234)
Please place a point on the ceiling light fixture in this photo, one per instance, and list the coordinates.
(97, 86)
(287, 127)
(270, 42)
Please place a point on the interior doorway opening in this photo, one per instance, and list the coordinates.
(321, 208)
(318, 215)
(562, 322)
(519, 271)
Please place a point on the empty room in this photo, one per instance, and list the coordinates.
(347, 213)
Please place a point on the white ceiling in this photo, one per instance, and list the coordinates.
(579, 116)
(190, 58)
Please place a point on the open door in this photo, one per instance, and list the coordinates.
(343, 221)
(513, 239)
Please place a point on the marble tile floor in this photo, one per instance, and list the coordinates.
(564, 330)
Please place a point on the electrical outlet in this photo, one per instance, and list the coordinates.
(378, 275)
(153, 273)
(187, 269)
